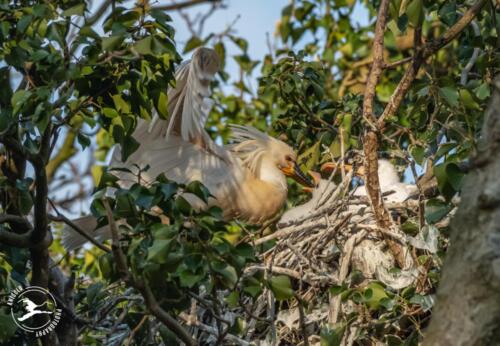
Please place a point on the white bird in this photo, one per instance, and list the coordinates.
(390, 183)
(247, 178)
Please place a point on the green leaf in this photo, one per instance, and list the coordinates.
(449, 177)
(129, 146)
(418, 154)
(23, 23)
(110, 43)
(337, 289)
(144, 46)
(448, 13)
(455, 175)
(120, 104)
(240, 42)
(200, 191)
(83, 140)
(110, 112)
(39, 55)
(281, 286)
(415, 12)
(192, 43)
(467, 99)
(8, 329)
(252, 286)
(124, 205)
(450, 95)
(25, 202)
(228, 273)
(435, 210)
(168, 190)
(106, 265)
(145, 198)
(189, 279)
(482, 91)
(332, 336)
(5, 91)
(426, 302)
(162, 105)
(233, 299)
(160, 16)
(373, 294)
(76, 10)
(444, 149)
(159, 251)
(19, 98)
(245, 250)
(182, 205)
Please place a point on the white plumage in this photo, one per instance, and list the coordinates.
(247, 178)
(390, 184)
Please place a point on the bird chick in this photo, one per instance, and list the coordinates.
(391, 186)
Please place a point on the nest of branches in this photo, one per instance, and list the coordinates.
(348, 284)
(335, 253)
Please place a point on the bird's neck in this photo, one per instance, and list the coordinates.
(269, 173)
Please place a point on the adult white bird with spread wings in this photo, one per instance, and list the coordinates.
(247, 178)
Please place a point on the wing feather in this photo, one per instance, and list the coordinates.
(180, 148)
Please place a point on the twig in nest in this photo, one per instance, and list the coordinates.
(333, 312)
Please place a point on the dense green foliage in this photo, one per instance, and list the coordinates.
(61, 75)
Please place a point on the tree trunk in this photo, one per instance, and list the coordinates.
(467, 311)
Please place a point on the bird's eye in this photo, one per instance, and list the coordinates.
(288, 158)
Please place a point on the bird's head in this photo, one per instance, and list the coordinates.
(253, 147)
(286, 161)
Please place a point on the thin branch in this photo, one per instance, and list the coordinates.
(98, 13)
(62, 218)
(16, 147)
(421, 54)
(378, 62)
(211, 330)
(185, 4)
(66, 151)
(397, 63)
(120, 259)
(18, 223)
(475, 54)
(151, 302)
(16, 240)
(371, 142)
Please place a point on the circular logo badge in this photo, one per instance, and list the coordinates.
(34, 310)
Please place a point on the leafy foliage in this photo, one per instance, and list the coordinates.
(62, 74)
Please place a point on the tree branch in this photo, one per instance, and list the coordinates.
(66, 151)
(185, 4)
(370, 141)
(61, 218)
(17, 223)
(151, 302)
(378, 62)
(421, 54)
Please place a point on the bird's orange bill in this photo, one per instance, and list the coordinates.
(329, 167)
(294, 172)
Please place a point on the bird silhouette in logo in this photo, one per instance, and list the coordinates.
(31, 308)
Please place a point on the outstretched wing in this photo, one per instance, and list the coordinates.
(180, 147)
(189, 103)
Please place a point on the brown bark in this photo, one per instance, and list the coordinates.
(467, 311)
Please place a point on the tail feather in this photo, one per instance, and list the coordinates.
(71, 239)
